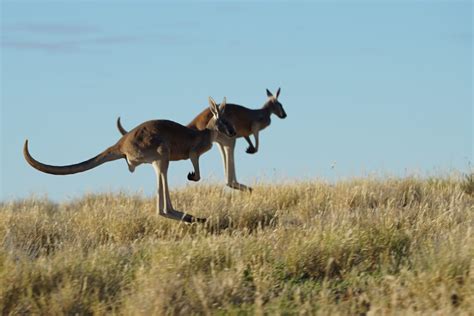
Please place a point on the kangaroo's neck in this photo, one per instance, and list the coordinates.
(212, 135)
(266, 110)
(207, 136)
(203, 141)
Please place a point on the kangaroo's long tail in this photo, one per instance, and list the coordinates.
(110, 154)
(122, 130)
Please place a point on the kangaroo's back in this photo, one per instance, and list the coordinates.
(142, 142)
(239, 116)
(201, 120)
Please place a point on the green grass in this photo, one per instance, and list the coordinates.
(362, 246)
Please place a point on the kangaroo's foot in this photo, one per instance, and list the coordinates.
(240, 187)
(193, 177)
(251, 150)
(180, 216)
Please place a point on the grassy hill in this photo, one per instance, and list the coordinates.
(354, 247)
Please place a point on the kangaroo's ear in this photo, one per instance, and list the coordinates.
(222, 106)
(278, 93)
(269, 94)
(213, 107)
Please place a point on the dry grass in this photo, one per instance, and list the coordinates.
(355, 247)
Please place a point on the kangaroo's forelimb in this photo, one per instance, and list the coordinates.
(196, 174)
(251, 148)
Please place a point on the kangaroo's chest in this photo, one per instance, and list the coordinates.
(181, 150)
(202, 148)
(262, 122)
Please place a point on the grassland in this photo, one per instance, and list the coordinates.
(362, 246)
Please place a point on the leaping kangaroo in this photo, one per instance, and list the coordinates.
(157, 142)
(246, 122)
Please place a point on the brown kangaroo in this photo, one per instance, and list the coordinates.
(156, 142)
(246, 122)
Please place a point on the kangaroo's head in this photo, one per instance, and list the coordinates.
(274, 105)
(218, 121)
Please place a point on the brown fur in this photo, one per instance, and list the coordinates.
(246, 122)
(139, 146)
(200, 121)
(243, 119)
(157, 142)
(141, 142)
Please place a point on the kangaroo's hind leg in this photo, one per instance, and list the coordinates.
(161, 208)
(224, 160)
(164, 205)
(160, 199)
(230, 168)
(163, 202)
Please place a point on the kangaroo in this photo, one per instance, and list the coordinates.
(156, 142)
(246, 122)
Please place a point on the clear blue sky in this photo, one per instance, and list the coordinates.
(373, 86)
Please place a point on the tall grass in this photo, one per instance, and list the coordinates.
(354, 247)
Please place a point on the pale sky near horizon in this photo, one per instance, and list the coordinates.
(369, 87)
